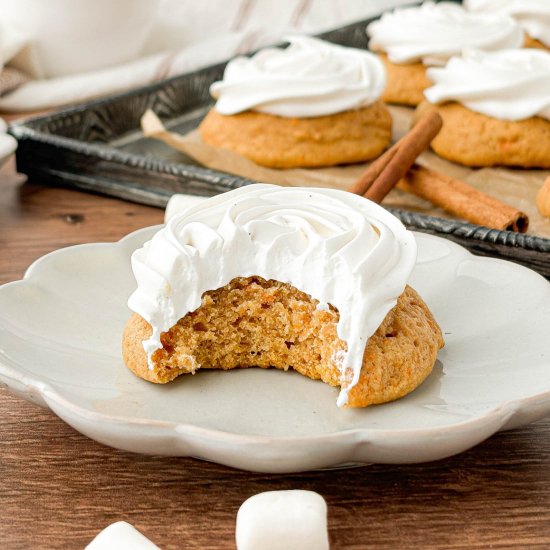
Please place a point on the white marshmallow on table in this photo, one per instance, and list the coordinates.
(121, 536)
(283, 520)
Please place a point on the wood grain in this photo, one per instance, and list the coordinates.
(58, 488)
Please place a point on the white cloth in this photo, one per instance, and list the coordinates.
(177, 43)
(11, 41)
(7, 143)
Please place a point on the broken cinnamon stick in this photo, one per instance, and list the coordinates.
(462, 200)
(384, 173)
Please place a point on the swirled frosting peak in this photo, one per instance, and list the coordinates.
(508, 85)
(432, 33)
(532, 15)
(309, 78)
(338, 247)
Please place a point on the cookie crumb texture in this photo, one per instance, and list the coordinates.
(405, 82)
(252, 322)
(477, 140)
(278, 142)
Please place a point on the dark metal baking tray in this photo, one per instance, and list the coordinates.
(98, 146)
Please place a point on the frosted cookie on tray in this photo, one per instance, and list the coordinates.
(532, 15)
(313, 280)
(411, 39)
(495, 108)
(308, 105)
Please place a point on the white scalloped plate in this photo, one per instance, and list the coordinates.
(60, 332)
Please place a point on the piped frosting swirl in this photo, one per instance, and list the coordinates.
(532, 15)
(432, 33)
(338, 247)
(309, 78)
(508, 85)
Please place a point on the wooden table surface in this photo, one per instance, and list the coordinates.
(58, 488)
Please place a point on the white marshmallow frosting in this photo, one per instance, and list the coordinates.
(508, 85)
(532, 15)
(309, 78)
(432, 33)
(339, 248)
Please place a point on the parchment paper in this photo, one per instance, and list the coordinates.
(513, 186)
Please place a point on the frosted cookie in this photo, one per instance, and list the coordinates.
(495, 108)
(311, 104)
(309, 279)
(410, 39)
(532, 15)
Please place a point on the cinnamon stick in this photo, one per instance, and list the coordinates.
(462, 200)
(368, 177)
(384, 173)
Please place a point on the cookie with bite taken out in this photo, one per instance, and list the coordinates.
(313, 280)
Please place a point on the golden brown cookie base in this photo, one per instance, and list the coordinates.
(478, 140)
(253, 322)
(406, 83)
(278, 142)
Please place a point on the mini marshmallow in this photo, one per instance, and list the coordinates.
(283, 520)
(121, 536)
